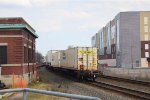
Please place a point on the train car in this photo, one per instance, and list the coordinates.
(50, 56)
(82, 61)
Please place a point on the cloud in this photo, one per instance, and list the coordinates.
(87, 27)
(49, 25)
(16, 2)
(31, 3)
(76, 14)
(48, 2)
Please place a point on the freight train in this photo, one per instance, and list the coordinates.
(79, 61)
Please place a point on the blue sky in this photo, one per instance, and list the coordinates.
(60, 23)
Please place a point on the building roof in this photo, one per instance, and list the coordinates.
(16, 22)
(20, 26)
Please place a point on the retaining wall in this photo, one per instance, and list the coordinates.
(141, 74)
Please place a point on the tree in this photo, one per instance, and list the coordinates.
(70, 46)
(39, 57)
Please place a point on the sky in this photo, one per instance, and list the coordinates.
(63, 23)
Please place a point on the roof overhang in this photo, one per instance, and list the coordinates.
(18, 26)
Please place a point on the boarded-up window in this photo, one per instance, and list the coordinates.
(3, 54)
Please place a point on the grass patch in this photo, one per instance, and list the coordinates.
(42, 86)
(36, 96)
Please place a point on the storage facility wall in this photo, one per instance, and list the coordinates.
(129, 39)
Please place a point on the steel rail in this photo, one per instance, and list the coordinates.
(139, 94)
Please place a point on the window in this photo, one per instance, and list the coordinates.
(3, 54)
(145, 20)
(145, 28)
(146, 54)
(146, 46)
(146, 37)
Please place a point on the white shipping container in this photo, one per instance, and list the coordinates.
(62, 58)
(48, 57)
(74, 58)
(55, 59)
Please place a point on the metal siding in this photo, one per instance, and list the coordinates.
(63, 58)
(108, 38)
(117, 42)
(130, 39)
(55, 59)
(72, 58)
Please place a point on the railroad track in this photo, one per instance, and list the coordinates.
(127, 91)
(128, 80)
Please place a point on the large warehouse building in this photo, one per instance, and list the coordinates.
(125, 40)
(17, 49)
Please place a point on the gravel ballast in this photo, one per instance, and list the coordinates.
(62, 84)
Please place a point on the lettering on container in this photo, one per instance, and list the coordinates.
(87, 52)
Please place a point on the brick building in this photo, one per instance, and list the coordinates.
(125, 40)
(17, 49)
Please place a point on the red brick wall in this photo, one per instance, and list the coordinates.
(11, 32)
(143, 48)
(29, 68)
(18, 70)
(9, 70)
(29, 40)
(14, 47)
(15, 50)
(12, 21)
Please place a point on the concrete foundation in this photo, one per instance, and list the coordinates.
(8, 79)
(141, 74)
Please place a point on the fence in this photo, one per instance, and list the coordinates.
(25, 90)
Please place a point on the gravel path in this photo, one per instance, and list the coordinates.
(63, 84)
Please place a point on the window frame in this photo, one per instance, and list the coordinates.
(146, 54)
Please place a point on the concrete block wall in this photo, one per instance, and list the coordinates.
(141, 74)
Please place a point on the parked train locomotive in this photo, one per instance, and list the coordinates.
(82, 61)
